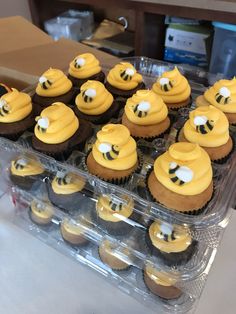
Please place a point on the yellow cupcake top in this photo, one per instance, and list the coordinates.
(71, 226)
(41, 210)
(207, 126)
(14, 106)
(145, 108)
(56, 124)
(24, 166)
(184, 169)
(159, 277)
(67, 183)
(115, 148)
(123, 254)
(94, 98)
(124, 76)
(114, 209)
(169, 238)
(53, 83)
(172, 86)
(84, 66)
(222, 95)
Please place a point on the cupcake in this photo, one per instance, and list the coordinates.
(123, 80)
(72, 232)
(65, 191)
(172, 243)
(114, 155)
(174, 89)
(16, 114)
(83, 68)
(208, 127)
(58, 131)
(222, 95)
(160, 284)
(182, 178)
(115, 214)
(24, 172)
(41, 213)
(4, 89)
(146, 115)
(114, 256)
(95, 103)
(53, 86)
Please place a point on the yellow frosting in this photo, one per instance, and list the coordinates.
(145, 108)
(160, 278)
(194, 169)
(71, 226)
(84, 66)
(94, 98)
(56, 124)
(26, 167)
(207, 126)
(53, 83)
(124, 76)
(172, 86)
(115, 148)
(14, 106)
(44, 211)
(169, 238)
(114, 209)
(223, 95)
(67, 183)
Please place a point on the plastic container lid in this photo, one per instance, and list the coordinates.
(229, 27)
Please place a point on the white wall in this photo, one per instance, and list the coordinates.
(14, 7)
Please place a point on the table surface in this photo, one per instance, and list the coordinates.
(37, 279)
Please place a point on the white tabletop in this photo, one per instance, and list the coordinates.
(37, 279)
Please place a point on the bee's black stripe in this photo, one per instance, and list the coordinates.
(6, 111)
(218, 98)
(114, 151)
(209, 125)
(226, 100)
(44, 85)
(175, 179)
(140, 114)
(135, 108)
(173, 236)
(172, 171)
(165, 237)
(202, 129)
(181, 182)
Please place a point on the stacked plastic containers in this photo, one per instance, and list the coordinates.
(124, 254)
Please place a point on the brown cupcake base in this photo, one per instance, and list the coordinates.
(77, 83)
(179, 105)
(165, 292)
(73, 239)
(112, 261)
(26, 182)
(123, 93)
(175, 201)
(215, 153)
(146, 131)
(103, 118)
(201, 101)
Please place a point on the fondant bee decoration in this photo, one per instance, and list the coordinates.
(141, 109)
(62, 178)
(79, 62)
(42, 124)
(44, 82)
(180, 174)
(166, 84)
(4, 89)
(20, 164)
(109, 152)
(223, 96)
(89, 94)
(127, 74)
(115, 206)
(4, 108)
(167, 233)
(203, 125)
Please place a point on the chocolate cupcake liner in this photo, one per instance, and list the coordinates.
(26, 182)
(77, 83)
(123, 93)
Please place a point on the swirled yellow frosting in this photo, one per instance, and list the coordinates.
(56, 124)
(26, 167)
(207, 126)
(160, 278)
(114, 209)
(94, 98)
(124, 76)
(71, 226)
(42, 210)
(84, 66)
(184, 169)
(169, 238)
(53, 83)
(146, 108)
(14, 106)
(115, 148)
(67, 184)
(223, 95)
(172, 86)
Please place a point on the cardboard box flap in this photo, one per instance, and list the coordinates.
(17, 33)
